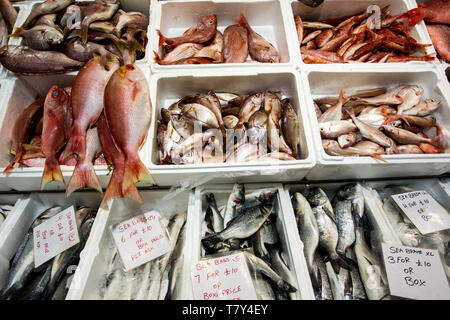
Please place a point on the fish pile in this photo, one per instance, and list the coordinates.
(248, 222)
(358, 38)
(159, 279)
(4, 211)
(377, 122)
(8, 17)
(107, 110)
(256, 127)
(62, 35)
(204, 44)
(49, 280)
(340, 261)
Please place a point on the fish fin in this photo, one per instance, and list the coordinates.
(209, 241)
(342, 97)
(157, 58)
(114, 189)
(16, 33)
(83, 177)
(16, 159)
(52, 172)
(414, 16)
(162, 39)
(243, 21)
(378, 156)
(395, 117)
(135, 171)
(133, 193)
(76, 146)
(342, 261)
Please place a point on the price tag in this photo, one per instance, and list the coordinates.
(415, 273)
(223, 278)
(425, 212)
(54, 236)
(140, 239)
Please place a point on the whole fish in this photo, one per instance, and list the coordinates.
(332, 148)
(387, 98)
(334, 129)
(423, 108)
(411, 96)
(371, 133)
(369, 147)
(195, 112)
(203, 31)
(24, 60)
(87, 102)
(9, 13)
(55, 132)
(77, 50)
(264, 196)
(251, 104)
(289, 127)
(235, 44)
(132, 20)
(22, 129)
(307, 227)
(405, 136)
(214, 50)
(128, 111)
(335, 112)
(47, 7)
(41, 37)
(211, 101)
(183, 51)
(259, 48)
(217, 220)
(345, 225)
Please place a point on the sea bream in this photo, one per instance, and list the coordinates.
(235, 46)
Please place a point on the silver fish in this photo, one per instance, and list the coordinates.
(406, 136)
(410, 95)
(334, 113)
(371, 133)
(217, 220)
(334, 129)
(369, 147)
(353, 192)
(258, 245)
(357, 286)
(317, 197)
(198, 112)
(423, 108)
(236, 198)
(345, 225)
(283, 270)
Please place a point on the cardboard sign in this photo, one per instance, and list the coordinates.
(54, 236)
(140, 239)
(423, 211)
(415, 273)
(223, 278)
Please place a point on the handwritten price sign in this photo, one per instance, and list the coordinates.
(54, 236)
(140, 239)
(223, 278)
(415, 273)
(425, 212)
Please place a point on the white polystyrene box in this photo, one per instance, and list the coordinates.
(291, 245)
(168, 88)
(266, 17)
(325, 83)
(93, 263)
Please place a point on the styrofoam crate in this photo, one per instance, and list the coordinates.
(93, 263)
(168, 88)
(340, 8)
(17, 94)
(266, 17)
(26, 211)
(320, 83)
(285, 225)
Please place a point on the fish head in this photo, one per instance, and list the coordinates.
(56, 98)
(210, 20)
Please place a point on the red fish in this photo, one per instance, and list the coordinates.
(235, 47)
(54, 133)
(128, 113)
(440, 35)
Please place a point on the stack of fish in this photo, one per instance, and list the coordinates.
(49, 280)
(8, 17)
(4, 210)
(107, 110)
(204, 44)
(249, 221)
(341, 264)
(62, 35)
(401, 113)
(359, 38)
(264, 125)
(158, 279)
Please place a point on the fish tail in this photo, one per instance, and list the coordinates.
(83, 34)
(378, 156)
(16, 159)
(83, 177)
(341, 261)
(342, 97)
(52, 172)
(76, 146)
(114, 189)
(162, 39)
(16, 33)
(157, 58)
(135, 171)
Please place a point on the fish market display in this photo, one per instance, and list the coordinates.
(204, 44)
(4, 211)
(49, 280)
(158, 279)
(358, 38)
(104, 115)
(63, 35)
(339, 257)
(247, 222)
(216, 127)
(379, 122)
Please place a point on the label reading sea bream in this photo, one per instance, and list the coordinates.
(423, 211)
(415, 273)
(223, 278)
(54, 236)
(140, 239)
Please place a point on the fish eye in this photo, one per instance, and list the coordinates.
(211, 21)
(55, 93)
(130, 67)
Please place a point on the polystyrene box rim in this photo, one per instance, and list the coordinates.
(287, 221)
(420, 28)
(153, 40)
(304, 164)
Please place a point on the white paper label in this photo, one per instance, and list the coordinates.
(140, 239)
(415, 273)
(223, 278)
(424, 211)
(54, 236)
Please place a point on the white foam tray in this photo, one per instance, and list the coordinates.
(371, 208)
(317, 84)
(16, 94)
(168, 88)
(266, 17)
(285, 225)
(340, 8)
(26, 210)
(92, 266)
